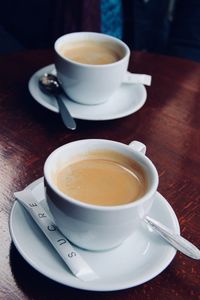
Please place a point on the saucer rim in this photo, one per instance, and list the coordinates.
(75, 282)
(88, 117)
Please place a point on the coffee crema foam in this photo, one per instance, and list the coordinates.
(90, 52)
(106, 180)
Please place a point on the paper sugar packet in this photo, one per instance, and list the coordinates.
(71, 257)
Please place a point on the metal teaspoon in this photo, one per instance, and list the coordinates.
(49, 84)
(176, 240)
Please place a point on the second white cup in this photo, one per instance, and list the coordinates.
(92, 83)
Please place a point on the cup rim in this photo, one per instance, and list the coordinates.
(91, 33)
(79, 203)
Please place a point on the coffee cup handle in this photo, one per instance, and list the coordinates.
(138, 146)
(131, 78)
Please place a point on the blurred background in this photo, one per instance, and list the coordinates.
(170, 27)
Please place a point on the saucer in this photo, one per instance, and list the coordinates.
(127, 99)
(140, 258)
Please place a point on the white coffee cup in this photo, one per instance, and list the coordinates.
(93, 84)
(90, 226)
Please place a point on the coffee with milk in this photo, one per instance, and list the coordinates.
(104, 178)
(90, 52)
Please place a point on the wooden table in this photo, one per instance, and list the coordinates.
(169, 124)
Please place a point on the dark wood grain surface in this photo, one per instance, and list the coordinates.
(169, 124)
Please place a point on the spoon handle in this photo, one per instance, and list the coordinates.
(174, 239)
(66, 117)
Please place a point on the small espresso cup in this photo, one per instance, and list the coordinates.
(91, 66)
(95, 226)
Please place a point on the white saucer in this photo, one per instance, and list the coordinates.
(137, 260)
(127, 99)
